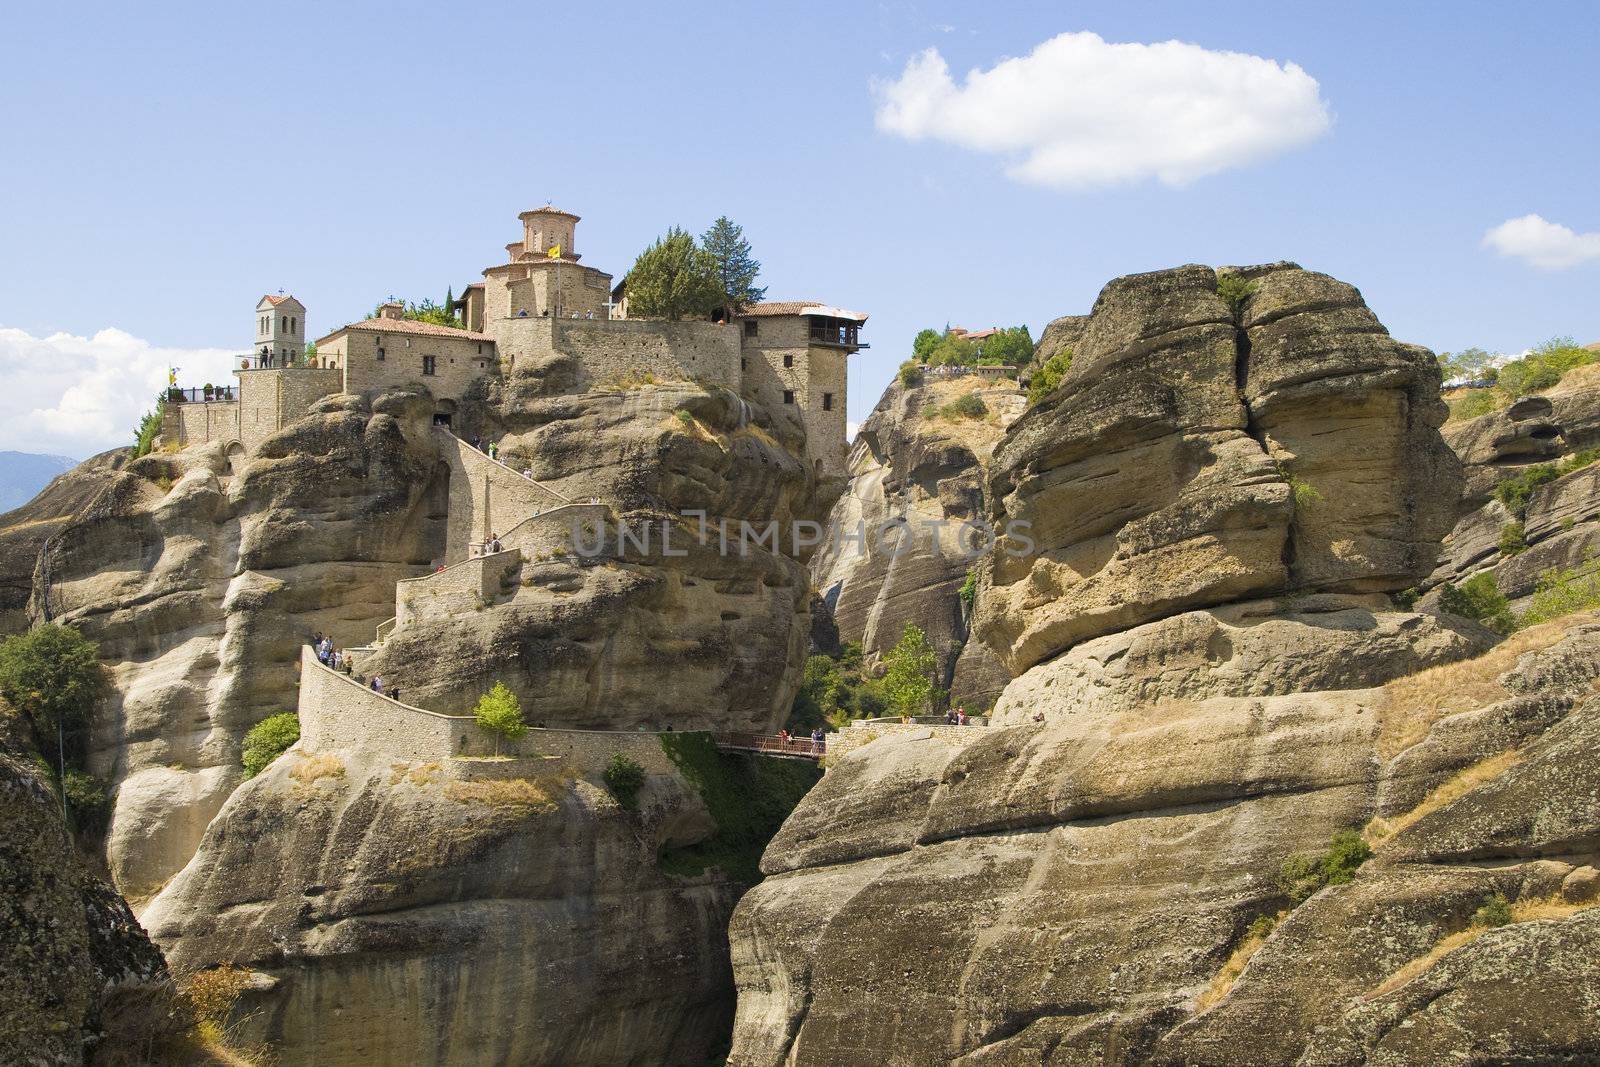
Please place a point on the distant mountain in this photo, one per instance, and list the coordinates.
(23, 474)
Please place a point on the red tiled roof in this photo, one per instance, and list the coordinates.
(775, 307)
(411, 326)
(276, 300)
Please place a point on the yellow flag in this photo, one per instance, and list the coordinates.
(555, 252)
(172, 376)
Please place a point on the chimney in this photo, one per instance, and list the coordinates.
(392, 310)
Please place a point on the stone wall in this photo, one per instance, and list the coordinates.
(458, 362)
(610, 353)
(339, 712)
(194, 424)
(814, 374)
(583, 292)
(459, 589)
(486, 497)
(553, 532)
(270, 399)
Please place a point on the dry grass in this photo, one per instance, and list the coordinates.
(760, 434)
(1224, 979)
(504, 793)
(1586, 377)
(1522, 911)
(415, 773)
(321, 765)
(1411, 705)
(1463, 782)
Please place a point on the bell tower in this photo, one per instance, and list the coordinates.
(280, 330)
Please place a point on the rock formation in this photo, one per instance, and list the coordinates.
(419, 913)
(69, 946)
(915, 469)
(1198, 454)
(24, 530)
(1559, 525)
(1212, 680)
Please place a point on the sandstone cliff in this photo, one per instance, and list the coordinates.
(916, 474)
(1212, 683)
(457, 913)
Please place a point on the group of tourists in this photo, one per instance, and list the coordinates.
(818, 740)
(337, 659)
(956, 716)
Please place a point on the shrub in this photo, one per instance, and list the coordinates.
(1562, 592)
(624, 777)
(500, 712)
(87, 800)
(1302, 875)
(1305, 494)
(1513, 539)
(1232, 289)
(1495, 911)
(966, 406)
(1473, 403)
(1479, 598)
(1407, 599)
(684, 416)
(267, 740)
(1542, 367)
(969, 589)
(910, 375)
(1261, 926)
(1048, 376)
(834, 690)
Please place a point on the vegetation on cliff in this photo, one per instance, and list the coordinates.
(1542, 368)
(748, 796)
(267, 740)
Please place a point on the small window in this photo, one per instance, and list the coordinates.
(380, 353)
(827, 401)
(428, 368)
(788, 359)
(752, 328)
(744, 362)
(788, 396)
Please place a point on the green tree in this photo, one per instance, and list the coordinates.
(427, 311)
(1011, 347)
(267, 740)
(500, 713)
(908, 672)
(1469, 364)
(144, 438)
(737, 269)
(52, 675)
(674, 279)
(1047, 377)
(953, 351)
(924, 344)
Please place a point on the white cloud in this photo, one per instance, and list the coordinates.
(1537, 241)
(80, 395)
(1077, 112)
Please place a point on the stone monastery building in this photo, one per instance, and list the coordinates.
(539, 303)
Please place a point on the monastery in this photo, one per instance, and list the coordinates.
(542, 301)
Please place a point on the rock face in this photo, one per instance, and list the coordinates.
(1198, 455)
(915, 470)
(685, 634)
(24, 530)
(1559, 527)
(420, 913)
(200, 589)
(68, 943)
(1211, 681)
(1069, 892)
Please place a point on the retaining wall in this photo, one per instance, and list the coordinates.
(459, 589)
(486, 497)
(858, 734)
(618, 351)
(338, 712)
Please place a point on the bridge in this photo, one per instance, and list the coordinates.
(772, 745)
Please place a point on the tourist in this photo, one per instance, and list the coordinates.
(527, 472)
(783, 738)
(493, 449)
(377, 684)
(816, 740)
(477, 442)
(394, 694)
(961, 715)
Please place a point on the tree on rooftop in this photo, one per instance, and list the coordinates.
(737, 270)
(674, 279)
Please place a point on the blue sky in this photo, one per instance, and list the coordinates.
(164, 165)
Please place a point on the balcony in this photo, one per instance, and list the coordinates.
(836, 333)
(223, 394)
